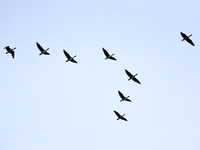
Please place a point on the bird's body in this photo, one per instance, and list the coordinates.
(42, 49)
(69, 57)
(132, 76)
(123, 98)
(187, 38)
(9, 50)
(120, 116)
(108, 56)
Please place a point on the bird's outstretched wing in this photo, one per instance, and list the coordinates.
(128, 100)
(113, 58)
(13, 54)
(124, 119)
(128, 73)
(118, 115)
(121, 95)
(40, 47)
(190, 41)
(66, 54)
(105, 52)
(7, 48)
(136, 80)
(183, 35)
(74, 61)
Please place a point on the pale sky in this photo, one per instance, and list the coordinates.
(49, 104)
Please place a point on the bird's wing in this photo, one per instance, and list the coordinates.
(46, 53)
(183, 35)
(7, 48)
(13, 54)
(105, 52)
(113, 58)
(74, 61)
(128, 73)
(190, 41)
(124, 119)
(128, 100)
(136, 80)
(118, 115)
(66, 54)
(39, 47)
(121, 95)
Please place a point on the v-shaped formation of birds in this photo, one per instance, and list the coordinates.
(108, 56)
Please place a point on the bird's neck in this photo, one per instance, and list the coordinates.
(112, 55)
(135, 74)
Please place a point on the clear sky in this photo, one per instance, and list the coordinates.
(48, 104)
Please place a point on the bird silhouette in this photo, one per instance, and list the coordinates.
(187, 38)
(9, 50)
(108, 56)
(69, 57)
(120, 116)
(123, 98)
(42, 49)
(132, 76)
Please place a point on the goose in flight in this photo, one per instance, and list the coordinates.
(132, 76)
(69, 57)
(187, 38)
(42, 49)
(120, 116)
(9, 50)
(108, 56)
(123, 98)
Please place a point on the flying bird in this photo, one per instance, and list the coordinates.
(132, 76)
(69, 57)
(42, 49)
(108, 56)
(123, 98)
(120, 116)
(187, 38)
(9, 50)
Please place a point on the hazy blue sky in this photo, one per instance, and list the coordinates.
(48, 104)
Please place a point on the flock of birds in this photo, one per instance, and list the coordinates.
(108, 56)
